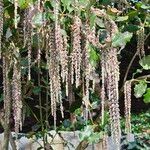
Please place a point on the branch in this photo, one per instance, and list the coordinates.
(132, 60)
(135, 80)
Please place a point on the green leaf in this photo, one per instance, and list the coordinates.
(8, 33)
(36, 90)
(88, 130)
(24, 3)
(66, 123)
(140, 89)
(1, 97)
(145, 6)
(94, 57)
(131, 28)
(67, 5)
(38, 19)
(95, 137)
(147, 96)
(132, 14)
(92, 20)
(120, 39)
(100, 22)
(122, 18)
(136, 72)
(145, 62)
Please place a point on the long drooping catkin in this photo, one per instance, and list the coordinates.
(140, 41)
(103, 92)
(16, 96)
(53, 72)
(58, 59)
(110, 76)
(127, 102)
(86, 68)
(28, 38)
(7, 101)
(53, 58)
(76, 53)
(25, 27)
(112, 68)
(1, 24)
(64, 63)
(92, 38)
(15, 12)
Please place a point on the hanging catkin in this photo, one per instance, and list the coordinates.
(91, 34)
(110, 77)
(52, 71)
(112, 70)
(39, 4)
(58, 49)
(61, 46)
(140, 41)
(25, 27)
(105, 142)
(28, 37)
(16, 95)
(7, 100)
(29, 58)
(103, 75)
(76, 53)
(90, 38)
(86, 68)
(1, 24)
(15, 12)
(39, 49)
(54, 77)
(127, 102)
(64, 63)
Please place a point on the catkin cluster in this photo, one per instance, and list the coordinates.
(58, 64)
(110, 78)
(61, 46)
(54, 73)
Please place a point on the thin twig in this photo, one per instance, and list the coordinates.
(131, 62)
(135, 80)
